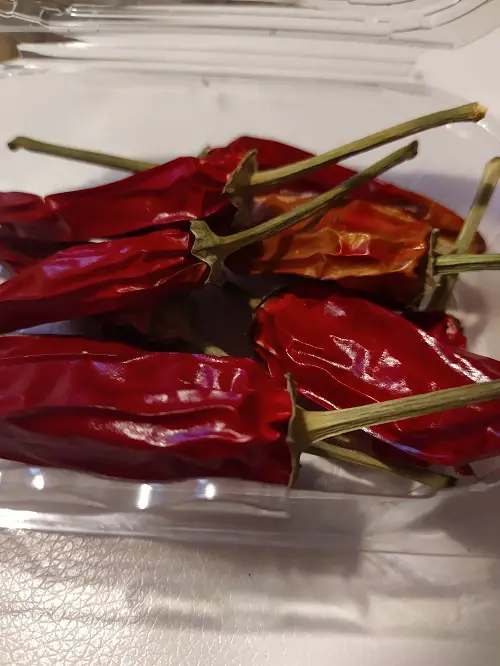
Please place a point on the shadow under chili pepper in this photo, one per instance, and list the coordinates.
(470, 519)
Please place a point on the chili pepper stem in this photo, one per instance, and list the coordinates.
(214, 249)
(79, 155)
(248, 178)
(454, 264)
(337, 453)
(212, 350)
(442, 294)
(319, 425)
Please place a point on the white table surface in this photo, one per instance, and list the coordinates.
(90, 601)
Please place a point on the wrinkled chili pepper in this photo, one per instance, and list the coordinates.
(241, 182)
(344, 351)
(274, 154)
(165, 417)
(187, 188)
(136, 272)
(366, 247)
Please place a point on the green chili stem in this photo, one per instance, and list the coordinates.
(212, 350)
(320, 425)
(489, 180)
(453, 264)
(213, 249)
(88, 156)
(255, 181)
(334, 452)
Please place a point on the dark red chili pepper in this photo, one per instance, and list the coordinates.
(164, 417)
(16, 254)
(344, 351)
(240, 183)
(187, 188)
(274, 154)
(136, 272)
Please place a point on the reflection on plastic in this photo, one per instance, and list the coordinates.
(210, 491)
(38, 481)
(144, 496)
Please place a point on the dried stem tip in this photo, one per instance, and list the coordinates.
(249, 180)
(76, 154)
(489, 180)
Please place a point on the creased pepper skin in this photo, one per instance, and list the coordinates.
(145, 416)
(344, 351)
(187, 188)
(274, 154)
(364, 246)
(92, 278)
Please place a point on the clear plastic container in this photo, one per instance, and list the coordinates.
(163, 88)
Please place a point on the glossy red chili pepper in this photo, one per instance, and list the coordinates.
(344, 351)
(163, 417)
(187, 188)
(443, 327)
(47, 347)
(274, 154)
(16, 254)
(88, 279)
(136, 272)
(141, 415)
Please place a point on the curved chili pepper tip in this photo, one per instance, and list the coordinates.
(213, 249)
(79, 155)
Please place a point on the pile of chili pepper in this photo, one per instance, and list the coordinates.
(131, 253)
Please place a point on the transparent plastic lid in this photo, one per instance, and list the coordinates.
(361, 42)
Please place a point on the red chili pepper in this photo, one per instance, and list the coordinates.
(137, 272)
(363, 246)
(16, 254)
(187, 188)
(366, 247)
(164, 417)
(274, 154)
(241, 182)
(443, 327)
(92, 278)
(344, 351)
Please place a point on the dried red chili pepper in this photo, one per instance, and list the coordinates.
(159, 416)
(16, 254)
(344, 351)
(274, 155)
(187, 188)
(240, 182)
(366, 247)
(136, 272)
(443, 327)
